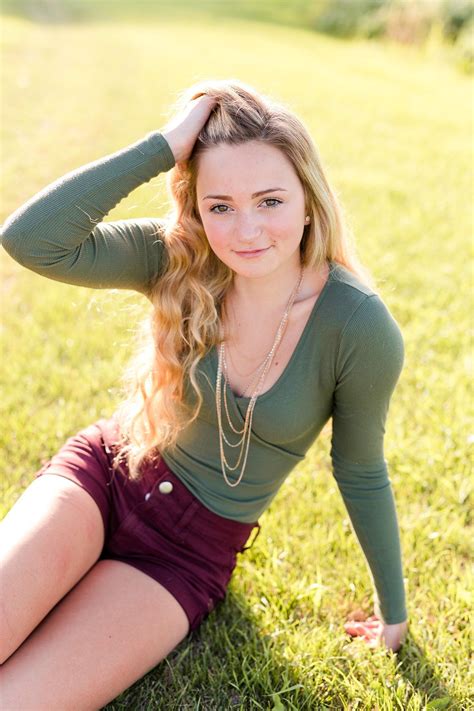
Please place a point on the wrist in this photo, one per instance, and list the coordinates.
(173, 144)
(394, 619)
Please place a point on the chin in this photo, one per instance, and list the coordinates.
(254, 273)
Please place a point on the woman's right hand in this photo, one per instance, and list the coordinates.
(183, 129)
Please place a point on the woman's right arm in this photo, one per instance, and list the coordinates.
(59, 232)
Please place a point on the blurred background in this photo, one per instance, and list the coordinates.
(431, 25)
(385, 88)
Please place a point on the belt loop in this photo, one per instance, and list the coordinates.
(259, 528)
(110, 455)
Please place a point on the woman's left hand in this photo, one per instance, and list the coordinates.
(374, 632)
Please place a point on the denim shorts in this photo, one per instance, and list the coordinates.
(155, 524)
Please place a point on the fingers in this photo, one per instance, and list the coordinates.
(370, 631)
(359, 622)
(367, 624)
(202, 106)
(366, 635)
(182, 130)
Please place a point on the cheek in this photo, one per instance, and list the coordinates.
(284, 234)
(217, 236)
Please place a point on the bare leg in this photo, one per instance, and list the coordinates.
(48, 540)
(112, 628)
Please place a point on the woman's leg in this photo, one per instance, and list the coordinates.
(48, 540)
(114, 626)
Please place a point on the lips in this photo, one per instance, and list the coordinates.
(253, 251)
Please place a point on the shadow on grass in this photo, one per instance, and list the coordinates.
(229, 663)
(421, 674)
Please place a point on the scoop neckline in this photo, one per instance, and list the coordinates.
(277, 384)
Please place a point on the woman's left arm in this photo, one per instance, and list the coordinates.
(369, 363)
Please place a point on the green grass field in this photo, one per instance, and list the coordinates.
(394, 131)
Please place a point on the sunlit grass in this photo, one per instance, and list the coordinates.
(394, 133)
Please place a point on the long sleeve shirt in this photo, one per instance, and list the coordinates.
(345, 365)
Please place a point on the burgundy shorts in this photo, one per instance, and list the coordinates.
(155, 524)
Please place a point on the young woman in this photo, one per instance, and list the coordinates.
(264, 326)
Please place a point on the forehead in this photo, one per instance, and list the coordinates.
(243, 168)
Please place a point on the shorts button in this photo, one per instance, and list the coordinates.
(165, 487)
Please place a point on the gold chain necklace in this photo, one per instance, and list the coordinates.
(247, 429)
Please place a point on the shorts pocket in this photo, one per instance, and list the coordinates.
(185, 518)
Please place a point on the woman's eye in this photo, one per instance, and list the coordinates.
(214, 209)
(223, 212)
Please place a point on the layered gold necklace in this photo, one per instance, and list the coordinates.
(263, 368)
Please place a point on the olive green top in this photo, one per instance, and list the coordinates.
(345, 365)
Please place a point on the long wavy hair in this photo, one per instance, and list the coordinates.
(187, 298)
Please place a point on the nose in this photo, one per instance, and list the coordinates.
(248, 229)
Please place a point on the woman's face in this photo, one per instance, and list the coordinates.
(237, 220)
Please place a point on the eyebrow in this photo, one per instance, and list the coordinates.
(254, 195)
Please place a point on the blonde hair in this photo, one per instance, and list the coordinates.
(188, 295)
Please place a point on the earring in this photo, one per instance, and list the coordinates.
(307, 218)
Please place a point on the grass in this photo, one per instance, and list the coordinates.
(393, 130)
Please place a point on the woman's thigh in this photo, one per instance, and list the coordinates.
(114, 626)
(50, 538)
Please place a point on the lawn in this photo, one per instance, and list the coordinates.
(394, 130)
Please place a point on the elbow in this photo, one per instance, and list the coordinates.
(22, 242)
(11, 240)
